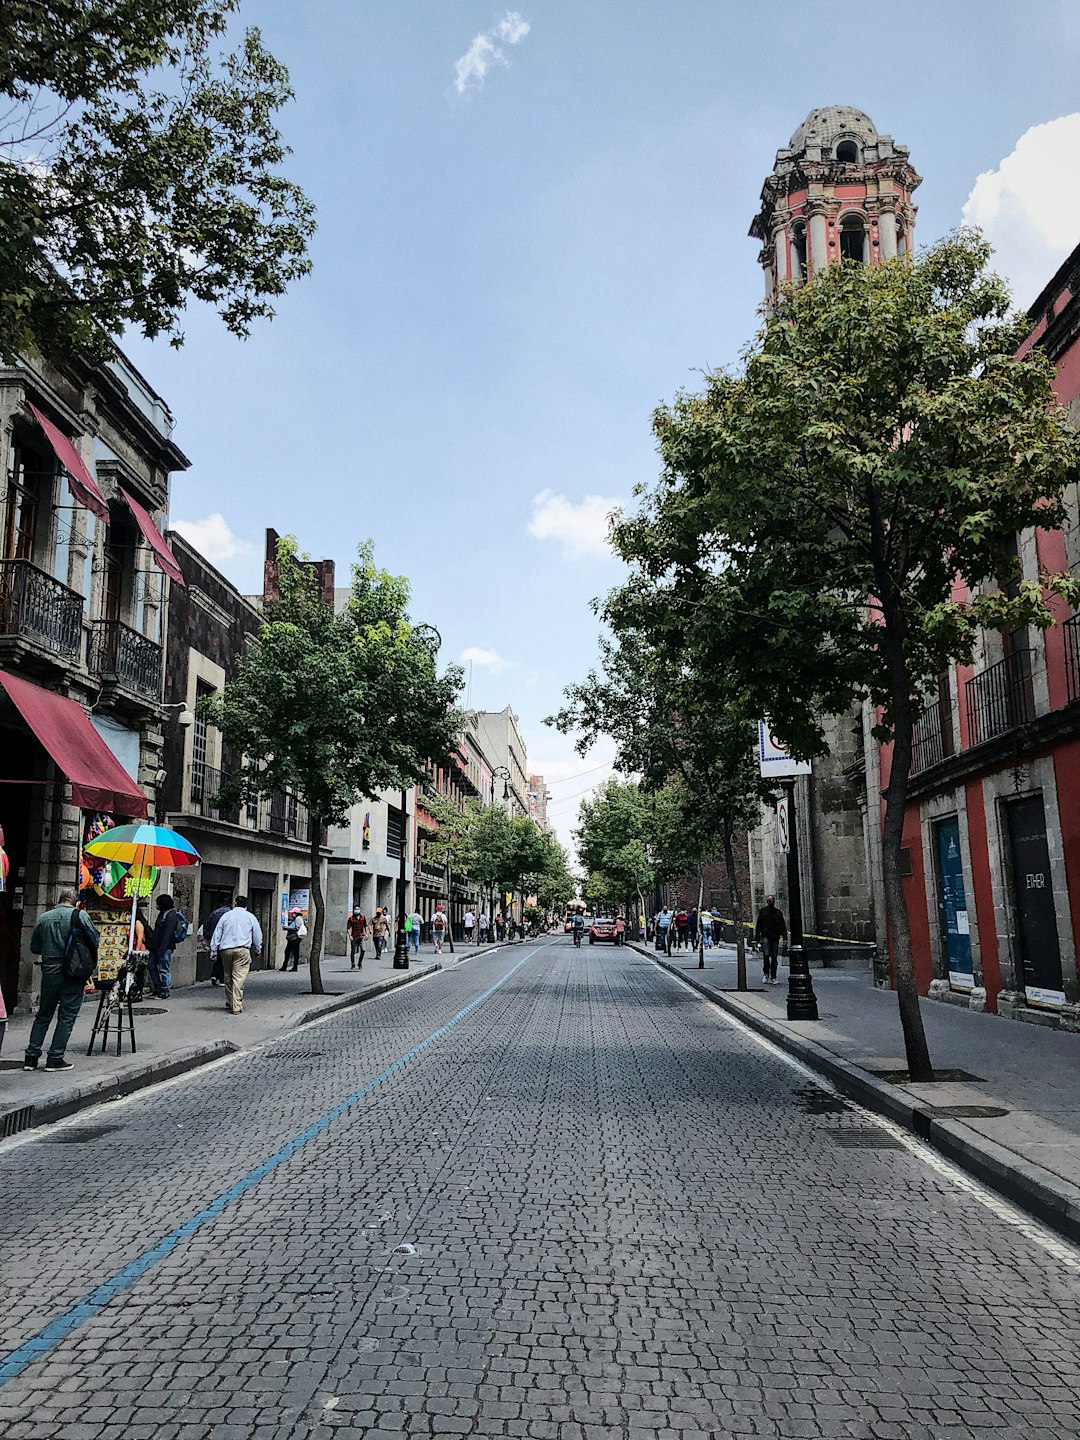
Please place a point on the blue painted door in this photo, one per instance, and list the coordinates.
(954, 912)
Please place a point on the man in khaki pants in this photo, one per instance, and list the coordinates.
(238, 940)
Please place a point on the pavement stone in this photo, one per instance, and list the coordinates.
(627, 1221)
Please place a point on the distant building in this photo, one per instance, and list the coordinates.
(501, 742)
(539, 799)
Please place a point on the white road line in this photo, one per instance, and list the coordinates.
(1032, 1229)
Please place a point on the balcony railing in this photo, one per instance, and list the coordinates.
(927, 747)
(203, 795)
(38, 608)
(288, 816)
(120, 654)
(1070, 630)
(1001, 697)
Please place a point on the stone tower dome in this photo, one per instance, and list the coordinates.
(838, 190)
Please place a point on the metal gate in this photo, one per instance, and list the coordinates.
(1033, 902)
(955, 927)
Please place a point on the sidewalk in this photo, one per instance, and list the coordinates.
(189, 1029)
(1030, 1075)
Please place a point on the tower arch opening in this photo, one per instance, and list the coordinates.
(854, 239)
(847, 152)
(798, 253)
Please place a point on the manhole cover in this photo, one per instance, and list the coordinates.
(79, 1136)
(151, 1010)
(970, 1112)
(869, 1139)
(11, 1064)
(903, 1077)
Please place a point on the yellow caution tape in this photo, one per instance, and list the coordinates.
(832, 939)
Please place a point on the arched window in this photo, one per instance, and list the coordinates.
(847, 152)
(798, 254)
(854, 241)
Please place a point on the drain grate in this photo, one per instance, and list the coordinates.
(957, 1077)
(80, 1136)
(297, 1054)
(865, 1139)
(970, 1112)
(14, 1121)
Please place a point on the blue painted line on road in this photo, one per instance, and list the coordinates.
(16, 1361)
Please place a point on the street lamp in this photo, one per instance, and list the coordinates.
(431, 639)
(801, 1000)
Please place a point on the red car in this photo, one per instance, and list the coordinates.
(602, 930)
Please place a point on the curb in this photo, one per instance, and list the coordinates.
(1050, 1199)
(345, 1002)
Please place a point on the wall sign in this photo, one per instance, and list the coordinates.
(774, 758)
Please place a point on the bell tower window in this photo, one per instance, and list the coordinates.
(854, 241)
(798, 254)
(847, 152)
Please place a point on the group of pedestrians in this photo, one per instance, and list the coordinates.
(679, 930)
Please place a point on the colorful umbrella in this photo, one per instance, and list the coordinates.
(143, 847)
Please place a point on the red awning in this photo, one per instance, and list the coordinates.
(166, 560)
(82, 484)
(98, 780)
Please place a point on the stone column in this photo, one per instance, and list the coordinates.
(780, 249)
(887, 233)
(819, 245)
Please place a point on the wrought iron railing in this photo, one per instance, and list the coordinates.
(1070, 630)
(204, 792)
(288, 816)
(927, 741)
(120, 654)
(38, 608)
(1001, 697)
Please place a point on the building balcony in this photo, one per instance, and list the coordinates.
(40, 610)
(289, 817)
(1070, 631)
(1001, 698)
(121, 656)
(203, 793)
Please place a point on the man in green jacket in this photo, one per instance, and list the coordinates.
(57, 991)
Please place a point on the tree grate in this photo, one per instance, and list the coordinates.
(941, 1077)
(970, 1112)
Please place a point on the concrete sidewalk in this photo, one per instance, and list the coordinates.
(1029, 1075)
(191, 1028)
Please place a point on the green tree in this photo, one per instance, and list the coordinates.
(552, 882)
(613, 839)
(139, 168)
(336, 706)
(818, 511)
(449, 843)
(489, 850)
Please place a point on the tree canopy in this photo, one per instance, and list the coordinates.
(336, 706)
(831, 523)
(139, 168)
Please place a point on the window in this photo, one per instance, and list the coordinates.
(29, 490)
(798, 254)
(198, 745)
(395, 833)
(854, 243)
(847, 152)
(121, 566)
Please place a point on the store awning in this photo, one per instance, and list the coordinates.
(81, 483)
(166, 560)
(98, 780)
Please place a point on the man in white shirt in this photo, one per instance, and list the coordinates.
(238, 940)
(483, 927)
(469, 923)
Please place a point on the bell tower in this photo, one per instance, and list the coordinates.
(838, 191)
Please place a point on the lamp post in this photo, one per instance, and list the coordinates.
(502, 773)
(430, 638)
(801, 1000)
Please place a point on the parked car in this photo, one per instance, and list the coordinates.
(602, 930)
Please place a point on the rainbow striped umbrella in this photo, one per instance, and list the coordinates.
(143, 847)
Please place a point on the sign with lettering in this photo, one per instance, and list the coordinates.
(774, 758)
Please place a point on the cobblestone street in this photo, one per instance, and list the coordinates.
(546, 1193)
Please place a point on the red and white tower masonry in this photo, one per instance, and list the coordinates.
(839, 190)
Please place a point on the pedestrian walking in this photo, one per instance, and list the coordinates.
(499, 926)
(356, 930)
(620, 930)
(414, 931)
(663, 930)
(706, 929)
(469, 924)
(484, 924)
(440, 925)
(692, 927)
(205, 935)
(170, 929)
(770, 930)
(295, 931)
(139, 956)
(380, 931)
(682, 920)
(61, 993)
(238, 940)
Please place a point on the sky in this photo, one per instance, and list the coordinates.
(533, 230)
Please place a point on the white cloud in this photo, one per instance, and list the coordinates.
(486, 659)
(580, 528)
(212, 538)
(1027, 207)
(471, 68)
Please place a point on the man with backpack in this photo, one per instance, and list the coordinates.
(440, 924)
(67, 941)
(172, 927)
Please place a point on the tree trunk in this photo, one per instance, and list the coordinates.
(449, 908)
(736, 911)
(315, 951)
(700, 930)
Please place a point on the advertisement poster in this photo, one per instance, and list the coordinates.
(106, 882)
(300, 900)
(112, 927)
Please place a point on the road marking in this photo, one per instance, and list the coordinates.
(1012, 1215)
(16, 1361)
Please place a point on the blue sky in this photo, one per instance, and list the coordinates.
(510, 276)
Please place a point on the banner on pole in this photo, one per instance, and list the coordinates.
(783, 825)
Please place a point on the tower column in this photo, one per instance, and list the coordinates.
(887, 232)
(780, 248)
(819, 245)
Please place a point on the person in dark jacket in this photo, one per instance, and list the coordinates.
(162, 943)
(206, 934)
(769, 931)
(58, 992)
